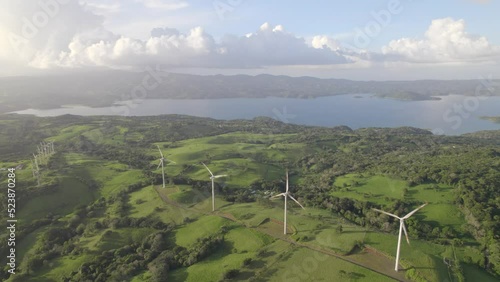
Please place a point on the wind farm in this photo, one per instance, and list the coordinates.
(108, 191)
(260, 141)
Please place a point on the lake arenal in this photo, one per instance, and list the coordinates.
(452, 115)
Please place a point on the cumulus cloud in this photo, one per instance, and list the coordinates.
(446, 40)
(267, 46)
(68, 34)
(323, 41)
(164, 4)
(275, 46)
(33, 31)
(103, 7)
(71, 35)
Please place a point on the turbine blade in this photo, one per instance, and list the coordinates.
(159, 164)
(279, 195)
(414, 211)
(296, 201)
(171, 161)
(287, 180)
(406, 233)
(207, 168)
(390, 214)
(219, 176)
(160, 151)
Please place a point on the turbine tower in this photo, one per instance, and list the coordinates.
(36, 169)
(286, 195)
(212, 177)
(33, 168)
(402, 227)
(162, 160)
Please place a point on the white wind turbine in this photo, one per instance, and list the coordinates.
(39, 153)
(162, 161)
(35, 169)
(286, 195)
(402, 227)
(212, 177)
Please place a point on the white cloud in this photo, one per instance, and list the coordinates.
(167, 46)
(103, 7)
(275, 46)
(446, 40)
(164, 4)
(74, 36)
(323, 41)
(33, 31)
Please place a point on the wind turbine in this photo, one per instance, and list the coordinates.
(36, 170)
(212, 177)
(33, 168)
(162, 160)
(402, 227)
(286, 195)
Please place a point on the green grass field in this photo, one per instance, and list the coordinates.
(255, 231)
(299, 264)
(380, 189)
(70, 193)
(234, 154)
(204, 226)
(239, 244)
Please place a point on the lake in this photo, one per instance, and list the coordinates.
(452, 115)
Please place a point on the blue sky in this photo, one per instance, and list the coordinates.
(415, 39)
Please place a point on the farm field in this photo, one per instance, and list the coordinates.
(101, 204)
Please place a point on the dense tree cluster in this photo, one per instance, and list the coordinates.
(156, 253)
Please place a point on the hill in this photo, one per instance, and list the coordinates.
(103, 88)
(100, 212)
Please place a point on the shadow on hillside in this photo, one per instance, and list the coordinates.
(256, 264)
(354, 231)
(244, 276)
(266, 254)
(226, 205)
(180, 274)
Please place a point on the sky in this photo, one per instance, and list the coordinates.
(359, 40)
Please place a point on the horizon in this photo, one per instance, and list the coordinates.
(79, 72)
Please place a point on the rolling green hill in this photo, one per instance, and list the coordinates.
(100, 212)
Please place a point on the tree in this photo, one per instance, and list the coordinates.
(339, 228)
(230, 274)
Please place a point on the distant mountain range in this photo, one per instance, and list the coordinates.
(103, 88)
